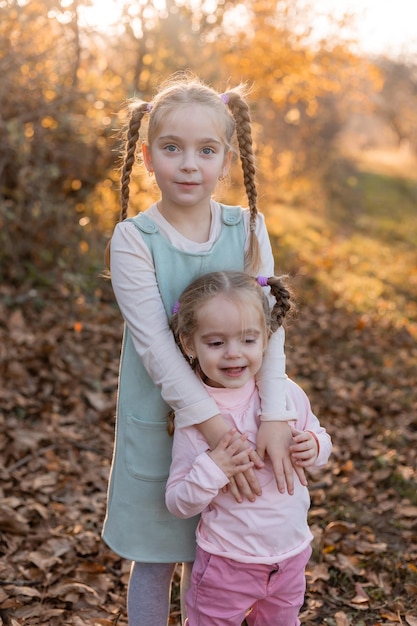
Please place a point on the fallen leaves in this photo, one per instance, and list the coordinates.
(59, 365)
(364, 520)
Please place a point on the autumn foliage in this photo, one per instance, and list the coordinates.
(335, 143)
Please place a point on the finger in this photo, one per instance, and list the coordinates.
(241, 457)
(244, 487)
(242, 468)
(299, 448)
(235, 446)
(253, 482)
(279, 475)
(261, 451)
(303, 454)
(284, 475)
(301, 475)
(289, 475)
(241, 442)
(301, 463)
(300, 439)
(256, 458)
(232, 487)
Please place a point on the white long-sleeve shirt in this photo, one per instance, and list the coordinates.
(137, 294)
(272, 528)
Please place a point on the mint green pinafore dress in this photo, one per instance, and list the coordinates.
(138, 525)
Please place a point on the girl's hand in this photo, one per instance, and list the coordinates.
(229, 456)
(246, 483)
(304, 449)
(243, 483)
(275, 439)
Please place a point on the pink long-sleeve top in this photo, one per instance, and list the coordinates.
(137, 294)
(269, 530)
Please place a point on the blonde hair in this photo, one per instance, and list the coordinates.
(239, 287)
(233, 115)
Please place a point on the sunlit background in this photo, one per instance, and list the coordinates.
(333, 88)
(333, 93)
(378, 26)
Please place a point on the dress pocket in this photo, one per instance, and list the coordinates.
(148, 449)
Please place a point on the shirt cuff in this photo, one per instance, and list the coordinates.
(278, 413)
(210, 474)
(196, 413)
(289, 416)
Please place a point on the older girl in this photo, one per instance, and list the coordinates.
(153, 256)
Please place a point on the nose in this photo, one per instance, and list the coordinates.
(233, 349)
(188, 163)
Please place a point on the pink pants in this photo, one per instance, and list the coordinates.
(222, 591)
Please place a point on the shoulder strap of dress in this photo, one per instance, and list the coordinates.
(231, 215)
(143, 223)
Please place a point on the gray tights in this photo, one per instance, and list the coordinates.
(149, 593)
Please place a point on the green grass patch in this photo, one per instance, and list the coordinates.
(357, 249)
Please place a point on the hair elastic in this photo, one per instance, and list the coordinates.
(176, 308)
(224, 98)
(262, 281)
(149, 107)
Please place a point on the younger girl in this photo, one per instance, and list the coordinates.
(153, 256)
(250, 555)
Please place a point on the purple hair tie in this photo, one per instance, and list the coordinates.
(224, 98)
(176, 308)
(262, 281)
(149, 107)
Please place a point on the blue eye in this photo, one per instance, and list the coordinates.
(208, 151)
(171, 148)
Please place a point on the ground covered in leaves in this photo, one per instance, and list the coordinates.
(59, 362)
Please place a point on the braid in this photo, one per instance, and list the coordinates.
(236, 118)
(283, 301)
(132, 139)
(240, 111)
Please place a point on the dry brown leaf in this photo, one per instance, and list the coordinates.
(348, 564)
(43, 559)
(339, 527)
(12, 522)
(98, 401)
(361, 596)
(407, 511)
(66, 589)
(366, 547)
(56, 435)
(341, 619)
(392, 617)
(318, 572)
(30, 592)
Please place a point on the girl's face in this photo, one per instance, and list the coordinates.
(187, 155)
(229, 342)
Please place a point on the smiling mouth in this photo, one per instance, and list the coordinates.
(233, 371)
